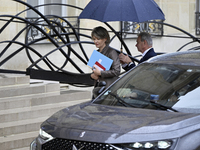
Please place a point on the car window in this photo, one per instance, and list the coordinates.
(188, 97)
(158, 83)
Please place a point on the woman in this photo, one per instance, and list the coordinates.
(101, 39)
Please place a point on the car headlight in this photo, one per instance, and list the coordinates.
(45, 135)
(159, 145)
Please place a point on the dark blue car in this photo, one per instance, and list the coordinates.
(154, 106)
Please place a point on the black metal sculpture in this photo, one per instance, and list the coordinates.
(57, 30)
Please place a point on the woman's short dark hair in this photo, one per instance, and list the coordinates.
(101, 33)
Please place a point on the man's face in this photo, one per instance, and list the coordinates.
(140, 44)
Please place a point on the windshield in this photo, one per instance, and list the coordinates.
(148, 85)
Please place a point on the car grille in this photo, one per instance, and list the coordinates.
(64, 144)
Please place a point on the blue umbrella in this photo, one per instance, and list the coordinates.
(122, 10)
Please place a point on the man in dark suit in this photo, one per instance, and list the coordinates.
(144, 45)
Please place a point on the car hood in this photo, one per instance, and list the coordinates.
(90, 122)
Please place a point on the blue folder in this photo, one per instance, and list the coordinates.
(100, 58)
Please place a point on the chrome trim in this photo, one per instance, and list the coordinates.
(74, 148)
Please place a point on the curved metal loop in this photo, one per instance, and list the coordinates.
(64, 37)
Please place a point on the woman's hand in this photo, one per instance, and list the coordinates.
(95, 77)
(96, 71)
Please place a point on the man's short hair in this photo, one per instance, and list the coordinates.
(144, 36)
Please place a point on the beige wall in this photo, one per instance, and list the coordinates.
(180, 13)
(9, 7)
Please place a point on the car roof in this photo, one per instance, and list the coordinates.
(191, 58)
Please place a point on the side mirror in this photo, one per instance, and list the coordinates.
(102, 83)
(97, 90)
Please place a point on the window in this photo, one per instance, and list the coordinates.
(131, 27)
(56, 14)
(48, 10)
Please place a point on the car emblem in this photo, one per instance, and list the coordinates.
(82, 134)
(74, 148)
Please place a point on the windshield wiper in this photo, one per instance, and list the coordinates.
(157, 104)
(163, 106)
(121, 101)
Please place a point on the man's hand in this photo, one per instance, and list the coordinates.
(124, 59)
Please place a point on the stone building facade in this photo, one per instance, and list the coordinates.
(179, 13)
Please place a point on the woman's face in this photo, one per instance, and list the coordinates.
(99, 43)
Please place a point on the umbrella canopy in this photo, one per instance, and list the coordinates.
(122, 10)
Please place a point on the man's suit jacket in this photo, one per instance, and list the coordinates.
(149, 54)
